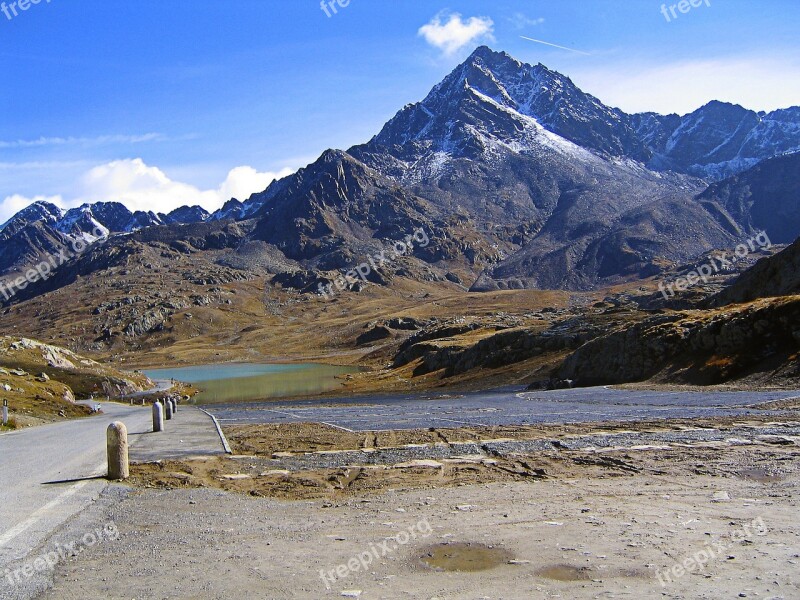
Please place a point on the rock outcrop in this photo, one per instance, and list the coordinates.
(699, 347)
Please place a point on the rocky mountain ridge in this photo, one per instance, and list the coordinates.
(522, 180)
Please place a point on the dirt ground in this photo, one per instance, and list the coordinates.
(572, 525)
(266, 439)
(252, 469)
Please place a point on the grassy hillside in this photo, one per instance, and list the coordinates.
(42, 382)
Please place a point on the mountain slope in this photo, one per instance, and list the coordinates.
(778, 275)
(24, 245)
(43, 229)
(482, 144)
(42, 381)
(334, 202)
(764, 198)
(581, 253)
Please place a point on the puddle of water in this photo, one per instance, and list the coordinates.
(565, 573)
(464, 557)
(759, 475)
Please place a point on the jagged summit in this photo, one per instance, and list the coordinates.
(715, 141)
(495, 79)
(41, 211)
(186, 214)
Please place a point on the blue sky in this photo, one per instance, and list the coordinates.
(160, 103)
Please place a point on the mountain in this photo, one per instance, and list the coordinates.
(714, 141)
(185, 214)
(465, 155)
(522, 102)
(521, 180)
(42, 229)
(718, 139)
(764, 198)
(506, 143)
(88, 220)
(334, 206)
(43, 212)
(232, 209)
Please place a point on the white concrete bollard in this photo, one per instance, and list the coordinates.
(168, 409)
(117, 450)
(158, 417)
(174, 405)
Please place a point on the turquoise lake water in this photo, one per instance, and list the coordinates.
(250, 382)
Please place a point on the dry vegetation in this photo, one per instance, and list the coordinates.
(42, 382)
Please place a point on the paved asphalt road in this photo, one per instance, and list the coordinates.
(31, 506)
(162, 385)
(497, 408)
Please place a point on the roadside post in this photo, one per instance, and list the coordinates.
(168, 409)
(5, 412)
(158, 417)
(117, 450)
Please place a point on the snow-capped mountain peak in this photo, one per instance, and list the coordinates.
(717, 140)
(38, 211)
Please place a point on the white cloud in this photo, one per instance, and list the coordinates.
(243, 181)
(521, 20)
(142, 187)
(83, 141)
(757, 83)
(452, 35)
(139, 187)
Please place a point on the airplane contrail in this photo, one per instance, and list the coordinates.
(554, 45)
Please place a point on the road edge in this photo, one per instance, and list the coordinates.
(222, 437)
